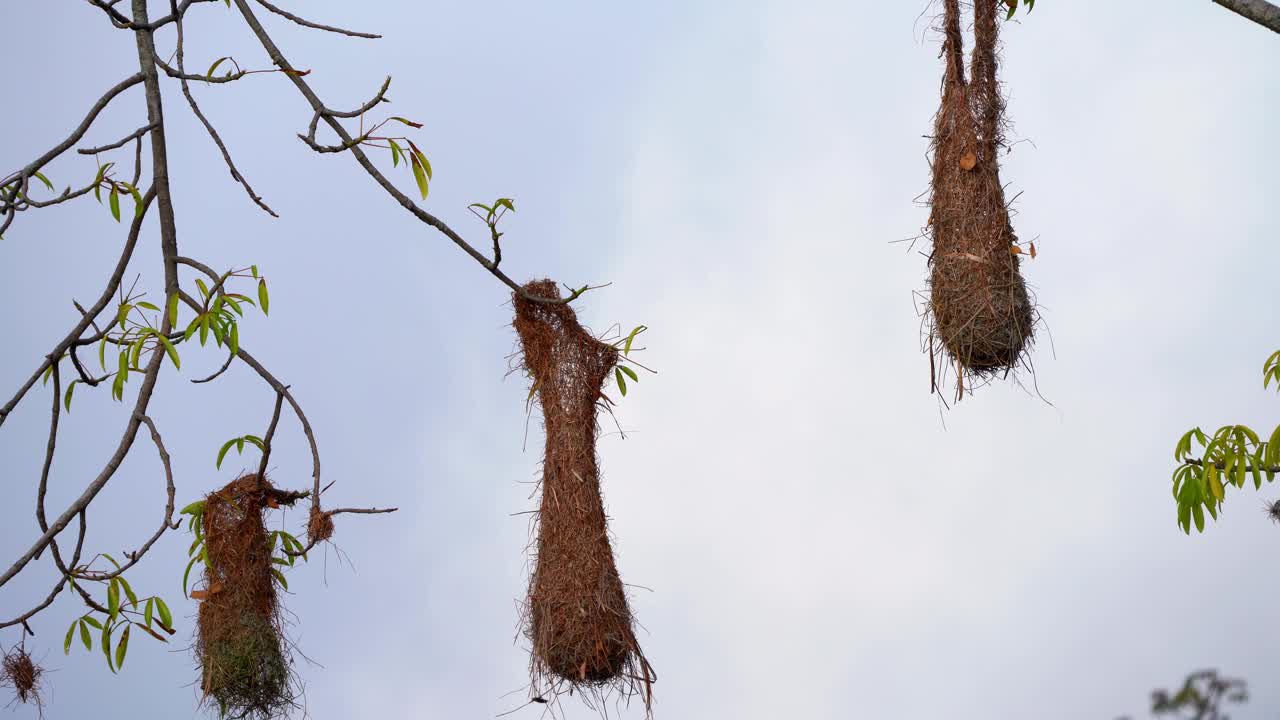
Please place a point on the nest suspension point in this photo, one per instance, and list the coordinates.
(578, 620)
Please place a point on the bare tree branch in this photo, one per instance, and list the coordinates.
(124, 23)
(113, 284)
(119, 143)
(271, 433)
(316, 26)
(319, 108)
(208, 126)
(1260, 11)
(169, 247)
(81, 129)
(167, 523)
(1223, 466)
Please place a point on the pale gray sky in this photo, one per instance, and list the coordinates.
(817, 543)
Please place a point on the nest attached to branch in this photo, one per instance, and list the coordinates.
(577, 617)
(19, 672)
(981, 316)
(246, 668)
(319, 525)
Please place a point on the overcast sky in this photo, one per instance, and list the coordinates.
(817, 540)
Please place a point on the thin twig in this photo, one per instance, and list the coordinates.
(119, 143)
(208, 126)
(318, 107)
(316, 26)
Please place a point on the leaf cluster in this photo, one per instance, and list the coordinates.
(1232, 456)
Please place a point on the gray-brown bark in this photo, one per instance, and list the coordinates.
(1260, 11)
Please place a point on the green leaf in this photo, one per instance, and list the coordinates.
(66, 644)
(149, 611)
(113, 560)
(113, 599)
(170, 350)
(166, 617)
(123, 647)
(66, 401)
(508, 203)
(137, 201)
(39, 176)
(225, 447)
(194, 508)
(148, 306)
(622, 382)
(234, 340)
(1198, 512)
(204, 329)
(419, 176)
(629, 373)
(92, 621)
(422, 160)
(280, 578)
(84, 635)
(1184, 517)
(185, 576)
(173, 309)
(122, 315)
(254, 270)
(135, 352)
(395, 153)
(1215, 485)
(128, 591)
(264, 300)
(204, 289)
(215, 65)
(106, 644)
(192, 327)
(626, 350)
(1181, 451)
(255, 440)
(48, 372)
(114, 202)
(410, 123)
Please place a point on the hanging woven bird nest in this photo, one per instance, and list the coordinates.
(577, 616)
(19, 672)
(319, 525)
(243, 655)
(982, 316)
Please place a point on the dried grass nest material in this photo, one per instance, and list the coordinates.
(246, 668)
(982, 316)
(319, 525)
(577, 616)
(19, 672)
